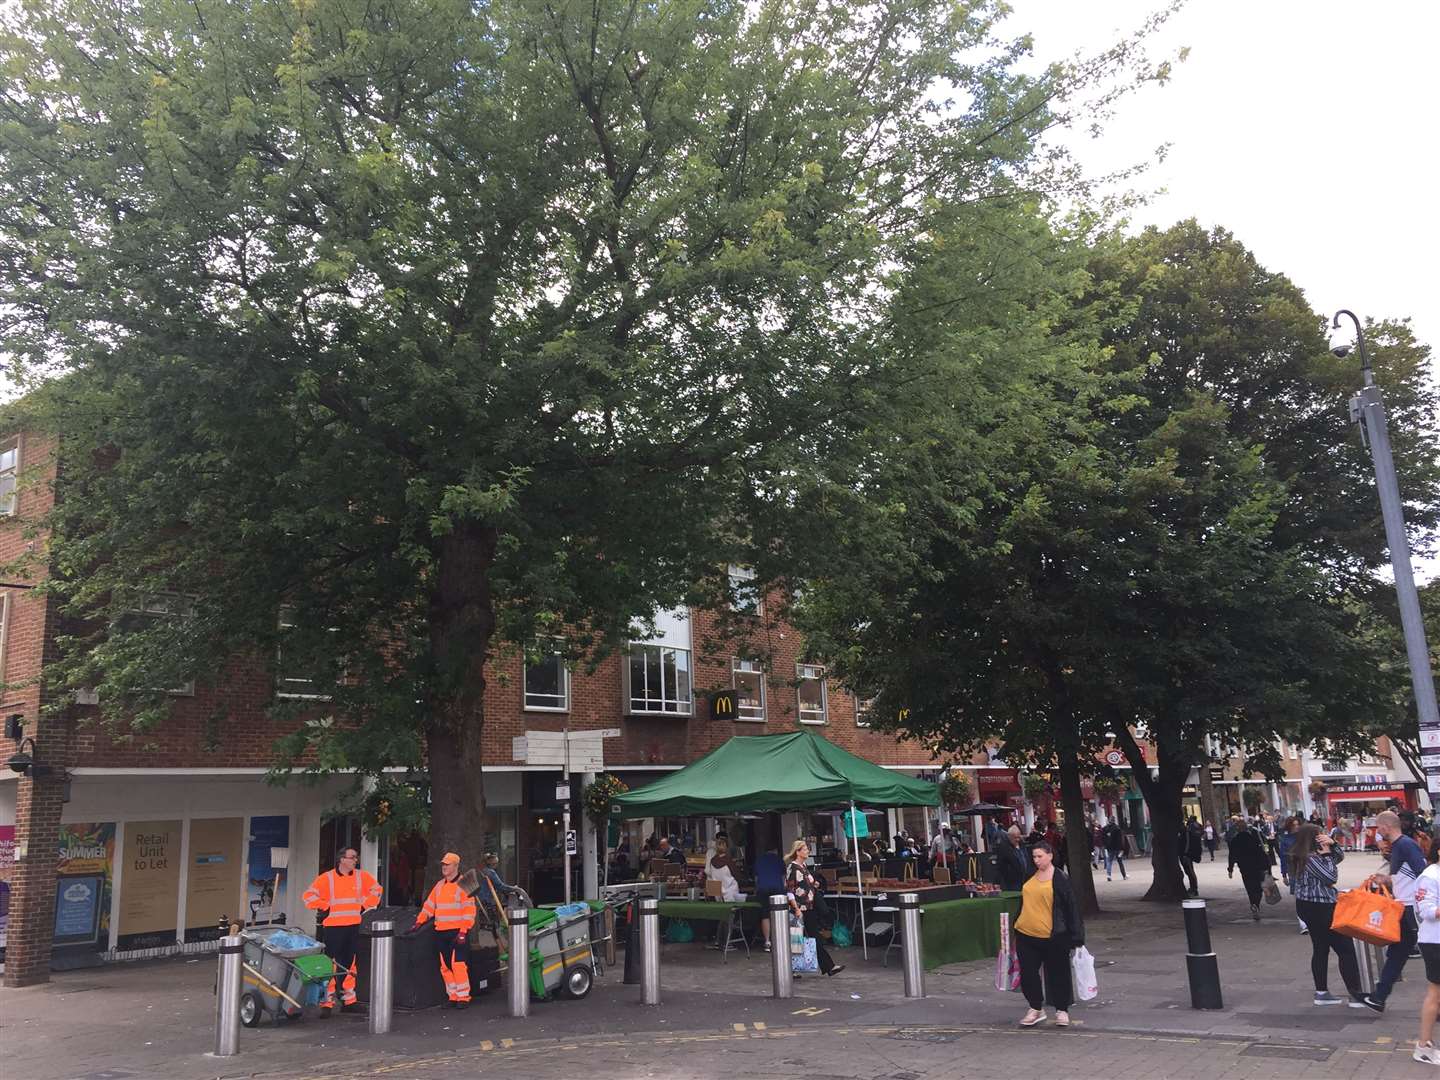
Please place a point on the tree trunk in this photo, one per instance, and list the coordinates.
(1077, 835)
(1162, 798)
(462, 623)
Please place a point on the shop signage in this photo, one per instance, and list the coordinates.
(723, 705)
(215, 883)
(1217, 772)
(1115, 757)
(995, 784)
(150, 881)
(562, 792)
(82, 885)
(856, 827)
(1351, 789)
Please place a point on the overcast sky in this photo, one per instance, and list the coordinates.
(1308, 128)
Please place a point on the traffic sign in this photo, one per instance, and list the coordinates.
(570, 848)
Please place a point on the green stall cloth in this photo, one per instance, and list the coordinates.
(794, 771)
(703, 910)
(956, 930)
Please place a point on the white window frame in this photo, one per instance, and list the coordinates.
(163, 606)
(287, 623)
(741, 582)
(10, 478)
(564, 687)
(740, 667)
(805, 673)
(668, 706)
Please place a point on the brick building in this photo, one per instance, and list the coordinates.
(128, 848)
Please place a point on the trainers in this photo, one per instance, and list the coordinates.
(1062, 1018)
(767, 946)
(836, 969)
(1255, 912)
(1369, 1002)
(1324, 997)
(1427, 1053)
(1033, 1017)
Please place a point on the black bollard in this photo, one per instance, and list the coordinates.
(1201, 965)
(632, 946)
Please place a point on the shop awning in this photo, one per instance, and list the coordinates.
(798, 771)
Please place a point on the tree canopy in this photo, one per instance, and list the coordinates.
(395, 335)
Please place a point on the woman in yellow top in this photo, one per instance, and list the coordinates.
(1047, 928)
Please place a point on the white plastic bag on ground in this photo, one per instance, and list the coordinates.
(1082, 974)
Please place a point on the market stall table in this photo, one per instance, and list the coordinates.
(716, 911)
(955, 930)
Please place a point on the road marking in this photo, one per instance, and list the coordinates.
(486, 1044)
(812, 1011)
(1383, 1039)
(507, 1043)
(738, 1027)
(759, 1025)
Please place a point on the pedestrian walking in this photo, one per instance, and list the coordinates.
(1046, 930)
(342, 894)
(1285, 845)
(1097, 844)
(1211, 840)
(803, 892)
(1406, 866)
(1189, 845)
(1009, 864)
(1312, 874)
(1427, 915)
(1113, 840)
(453, 910)
(1248, 852)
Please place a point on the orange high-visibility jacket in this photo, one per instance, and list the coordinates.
(345, 896)
(448, 905)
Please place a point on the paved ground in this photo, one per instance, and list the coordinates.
(717, 1020)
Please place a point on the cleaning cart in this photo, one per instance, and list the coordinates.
(562, 960)
(284, 971)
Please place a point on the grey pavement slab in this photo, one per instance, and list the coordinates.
(155, 1019)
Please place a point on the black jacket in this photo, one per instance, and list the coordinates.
(1065, 921)
(1010, 865)
(1114, 837)
(1191, 844)
(1248, 852)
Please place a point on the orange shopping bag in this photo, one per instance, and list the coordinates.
(1368, 913)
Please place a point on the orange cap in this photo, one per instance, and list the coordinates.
(449, 857)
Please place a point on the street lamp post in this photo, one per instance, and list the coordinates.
(1367, 410)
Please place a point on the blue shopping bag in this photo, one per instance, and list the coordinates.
(805, 962)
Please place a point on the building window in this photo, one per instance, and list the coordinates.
(9, 471)
(294, 677)
(744, 593)
(547, 683)
(150, 611)
(864, 707)
(748, 680)
(810, 693)
(658, 680)
(655, 676)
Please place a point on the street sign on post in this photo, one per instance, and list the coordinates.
(570, 845)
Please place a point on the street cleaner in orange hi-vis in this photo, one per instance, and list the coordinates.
(454, 913)
(342, 894)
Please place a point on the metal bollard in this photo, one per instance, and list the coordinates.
(382, 976)
(1370, 961)
(649, 951)
(517, 979)
(227, 997)
(780, 946)
(1201, 965)
(910, 945)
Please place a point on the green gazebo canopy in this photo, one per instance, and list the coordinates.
(798, 771)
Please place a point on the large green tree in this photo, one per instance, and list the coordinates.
(1174, 543)
(397, 334)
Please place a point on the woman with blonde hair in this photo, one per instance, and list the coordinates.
(802, 890)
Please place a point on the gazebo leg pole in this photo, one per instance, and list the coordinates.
(859, 881)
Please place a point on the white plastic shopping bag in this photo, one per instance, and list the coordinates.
(1082, 974)
(1007, 964)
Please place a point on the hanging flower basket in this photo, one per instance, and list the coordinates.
(955, 791)
(1109, 789)
(1036, 787)
(599, 795)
